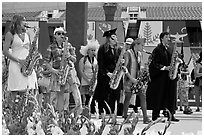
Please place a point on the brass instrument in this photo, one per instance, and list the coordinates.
(175, 61)
(65, 67)
(32, 58)
(118, 72)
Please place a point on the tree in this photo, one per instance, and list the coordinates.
(147, 33)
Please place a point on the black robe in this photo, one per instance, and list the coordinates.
(158, 87)
(106, 63)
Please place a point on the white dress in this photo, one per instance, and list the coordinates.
(16, 80)
(88, 70)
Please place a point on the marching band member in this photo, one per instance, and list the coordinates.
(132, 68)
(88, 67)
(18, 40)
(161, 90)
(53, 60)
(108, 55)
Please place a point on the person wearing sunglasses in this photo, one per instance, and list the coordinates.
(16, 48)
(53, 60)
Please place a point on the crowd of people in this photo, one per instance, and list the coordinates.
(98, 66)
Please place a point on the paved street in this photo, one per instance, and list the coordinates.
(188, 124)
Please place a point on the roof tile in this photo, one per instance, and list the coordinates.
(153, 12)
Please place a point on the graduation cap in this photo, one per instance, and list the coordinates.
(109, 32)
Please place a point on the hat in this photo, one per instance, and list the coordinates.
(109, 32)
(129, 41)
(91, 44)
(60, 29)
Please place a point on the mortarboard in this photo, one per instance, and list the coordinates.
(109, 32)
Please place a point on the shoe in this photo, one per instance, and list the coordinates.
(165, 113)
(174, 119)
(197, 110)
(181, 109)
(147, 121)
(187, 110)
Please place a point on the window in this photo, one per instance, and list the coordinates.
(133, 16)
(49, 15)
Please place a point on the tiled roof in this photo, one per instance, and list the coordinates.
(97, 13)
(27, 15)
(173, 13)
(154, 11)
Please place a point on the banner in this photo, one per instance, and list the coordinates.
(178, 32)
(151, 31)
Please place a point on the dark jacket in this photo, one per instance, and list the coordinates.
(158, 86)
(106, 63)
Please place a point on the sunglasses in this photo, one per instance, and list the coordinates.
(59, 33)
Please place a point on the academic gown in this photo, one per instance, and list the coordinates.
(157, 90)
(106, 63)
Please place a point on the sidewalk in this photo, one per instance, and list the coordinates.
(188, 124)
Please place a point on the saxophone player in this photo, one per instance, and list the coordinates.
(132, 69)
(54, 60)
(107, 57)
(17, 40)
(161, 92)
(88, 67)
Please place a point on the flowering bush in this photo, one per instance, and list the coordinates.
(23, 116)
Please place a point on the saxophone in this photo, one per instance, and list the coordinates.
(32, 58)
(93, 82)
(175, 61)
(66, 67)
(118, 72)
